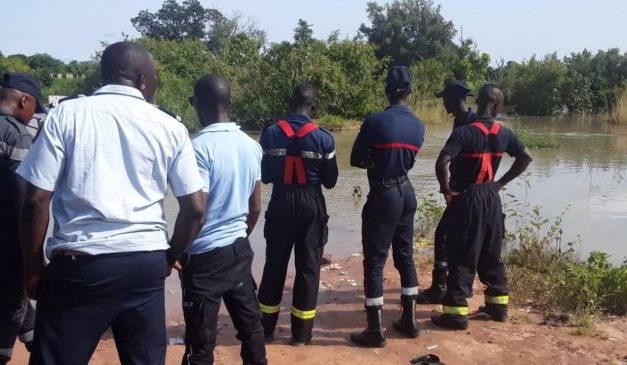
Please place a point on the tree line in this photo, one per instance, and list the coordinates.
(189, 40)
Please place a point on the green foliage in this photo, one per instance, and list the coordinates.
(335, 123)
(536, 140)
(408, 30)
(535, 86)
(428, 216)
(550, 276)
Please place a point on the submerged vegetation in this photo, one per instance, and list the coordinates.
(619, 111)
(537, 140)
(544, 272)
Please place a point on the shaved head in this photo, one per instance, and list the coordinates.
(212, 98)
(129, 64)
(490, 100)
(303, 98)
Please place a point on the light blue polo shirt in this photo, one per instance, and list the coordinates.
(229, 162)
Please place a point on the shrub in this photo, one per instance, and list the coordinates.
(335, 123)
(535, 140)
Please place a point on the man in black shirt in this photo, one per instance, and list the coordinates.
(19, 100)
(454, 99)
(475, 241)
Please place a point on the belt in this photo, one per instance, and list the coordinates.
(386, 183)
(68, 253)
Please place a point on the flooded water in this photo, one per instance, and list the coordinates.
(586, 173)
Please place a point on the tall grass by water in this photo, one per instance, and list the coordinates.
(544, 272)
(431, 111)
(619, 111)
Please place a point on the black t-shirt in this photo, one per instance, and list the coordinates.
(469, 140)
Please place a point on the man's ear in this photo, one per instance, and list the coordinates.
(141, 82)
(23, 101)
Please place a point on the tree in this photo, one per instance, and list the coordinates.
(175, 22)
(191, 21)
(43, 61)
(408, 30)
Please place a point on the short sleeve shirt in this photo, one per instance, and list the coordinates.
(109, 159)
(469, 139)
(229, 162)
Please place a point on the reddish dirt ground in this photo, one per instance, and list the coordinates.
(522, 340)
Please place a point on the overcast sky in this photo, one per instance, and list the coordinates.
(510, 29)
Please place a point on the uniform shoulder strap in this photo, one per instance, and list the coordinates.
(496, 128)
(481, 127)
(286, 128)
(306, 129)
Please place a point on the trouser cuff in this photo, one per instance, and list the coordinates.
(374, 302)
(409, 291)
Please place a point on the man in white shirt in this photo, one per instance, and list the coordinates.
(217, 265)
(105, 162)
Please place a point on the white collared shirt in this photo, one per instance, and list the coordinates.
(109, 158)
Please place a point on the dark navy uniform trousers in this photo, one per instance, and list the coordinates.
(296, 218)
(17, 316)
(474, 244)
(388, 220)
(82, 296)
(208, 278)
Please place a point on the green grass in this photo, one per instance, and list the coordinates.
(544, 272)
(618, 114)
(535, 140)
(335, 123)
(431, 111)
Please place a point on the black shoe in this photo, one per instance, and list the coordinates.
(373, 335)
(407, 323)
(497, 312)
(435, 293)
(268, 321)
(432, 295)
(298, 343)
(450, 321)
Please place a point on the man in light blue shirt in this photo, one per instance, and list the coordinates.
(218, 263)
(105, 162)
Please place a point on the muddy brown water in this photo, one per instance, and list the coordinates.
(586, 174)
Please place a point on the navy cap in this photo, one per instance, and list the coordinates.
(454, 88)
(399, 78)
(26, 84)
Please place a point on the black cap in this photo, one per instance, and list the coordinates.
(26, 84)
(399, 78)
(454, 88)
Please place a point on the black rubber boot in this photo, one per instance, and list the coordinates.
(373, 335)
(407, 323)
(435, 293)
(268, 321)
(301, 331)
(497, 312)
(450, 321)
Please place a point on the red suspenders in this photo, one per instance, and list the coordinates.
(293, 162)
(486, 172)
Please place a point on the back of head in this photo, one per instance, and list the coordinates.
(303, 98)
(489, 100)
(212, 96)
(212, 91)
(398, 83)
(129, 64)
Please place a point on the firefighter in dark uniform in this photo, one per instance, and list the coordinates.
(387, 145)
(454, 99)
(20, 99)
(298, 159)
(475, 234)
